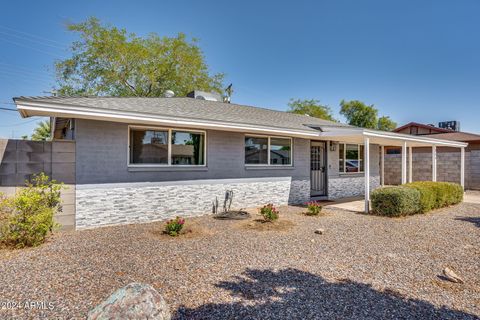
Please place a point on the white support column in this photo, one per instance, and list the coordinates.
(410, 165)
(434, 163)
(404, 162)
(382, 166)
(367, 173)
(462, 167)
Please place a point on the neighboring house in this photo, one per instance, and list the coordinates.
(146, 159)
(448, 159)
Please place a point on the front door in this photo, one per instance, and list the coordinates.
(317, 168)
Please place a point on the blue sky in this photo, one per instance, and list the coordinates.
(414, 60)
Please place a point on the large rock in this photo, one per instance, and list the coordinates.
(134, 301)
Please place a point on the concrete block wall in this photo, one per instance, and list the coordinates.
(20, 159)
(448, 167)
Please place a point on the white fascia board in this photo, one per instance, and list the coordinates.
(345, 133)
(403, 137)
(27, 109)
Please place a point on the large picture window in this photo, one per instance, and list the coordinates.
(166, 147)
(260, 150)
(351, 158)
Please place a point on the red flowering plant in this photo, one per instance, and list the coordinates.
(174, 226)
(269, 212)
(313, 208)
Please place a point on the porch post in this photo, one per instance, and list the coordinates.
(462, 167)
(367, 173)
(410, 167)
(434, 163)
(382, 166)
(404, 162)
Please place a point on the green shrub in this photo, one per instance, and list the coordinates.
(395, 201)
(434, 195)
(428, 195)
(313, 208)
(174, 226)
(269, 212)
(27, 217)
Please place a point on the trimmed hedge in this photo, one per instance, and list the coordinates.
(434, 195)
(395, 201)
(416, 197)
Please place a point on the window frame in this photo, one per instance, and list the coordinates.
(169, 164)
(268, 164)
(345, 158)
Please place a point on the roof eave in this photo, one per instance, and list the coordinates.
(29, 108)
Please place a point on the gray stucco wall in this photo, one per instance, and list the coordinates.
(109, 192)
(102, 149)
(342, 185)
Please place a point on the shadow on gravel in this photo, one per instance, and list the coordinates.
(474, 220)
(294, 294)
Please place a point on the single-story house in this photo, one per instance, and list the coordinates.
(448, 159)
(146, 159)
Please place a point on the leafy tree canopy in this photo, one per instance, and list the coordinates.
(111, 61)
(311, 107)
(359, 114)
(366, 116)
(386, 124)
(42, 131)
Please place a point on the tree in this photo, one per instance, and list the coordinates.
(386, 124)
(42, 131)
(110, 61)
(359, 114)
(311, 107)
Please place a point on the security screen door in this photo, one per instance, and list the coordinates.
(317, 168)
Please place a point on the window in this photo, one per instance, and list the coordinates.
(393, 150)
(148, 147)
(268, 151)
(351, 158)
(166, 147)
(187, 148)
(280, 151)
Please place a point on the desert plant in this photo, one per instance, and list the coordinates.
(313, 208)
(395, 201)
(174, 226)
(269, 212)
(27, 217)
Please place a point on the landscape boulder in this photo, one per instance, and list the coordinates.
(134, 301)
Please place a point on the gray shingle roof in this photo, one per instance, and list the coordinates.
(195, 109)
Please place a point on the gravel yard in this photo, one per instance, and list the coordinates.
(361, 267)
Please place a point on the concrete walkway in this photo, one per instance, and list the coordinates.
(349, 204)
(472, 197)
(358, 204)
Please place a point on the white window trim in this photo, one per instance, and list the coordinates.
(345, 158)
(169, 164)
(268, 164)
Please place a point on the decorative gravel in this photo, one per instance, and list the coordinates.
(361, 267)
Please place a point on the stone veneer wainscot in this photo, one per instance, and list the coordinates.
(350, 186)
(124, 203)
